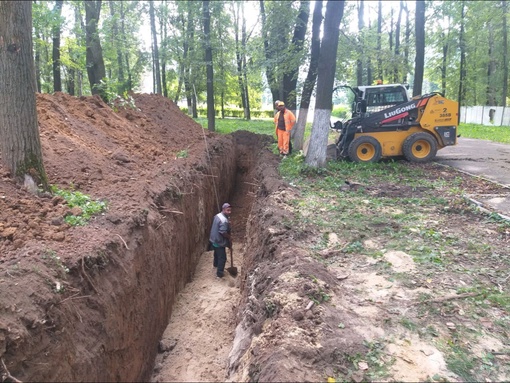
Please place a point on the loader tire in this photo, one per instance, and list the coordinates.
(419, 147)
(365, 149)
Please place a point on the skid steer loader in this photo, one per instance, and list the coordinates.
(387, 123)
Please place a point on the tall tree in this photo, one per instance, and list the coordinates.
(206, 16)
(20, 145)
(420, 47)
(95, 62)
(311, 77)
(316, 155)
(396, 77)
(290, 76)
(504, 93)
(57, 11)
(462, 90)
(361, 26)
(379, 42)
(155, 51)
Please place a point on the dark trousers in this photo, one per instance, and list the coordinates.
(220, 258)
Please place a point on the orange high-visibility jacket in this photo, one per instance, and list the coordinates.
(289, 118)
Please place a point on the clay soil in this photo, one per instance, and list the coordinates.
(76, 304)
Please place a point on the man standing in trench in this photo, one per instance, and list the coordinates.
(221, 238)
(284, 121)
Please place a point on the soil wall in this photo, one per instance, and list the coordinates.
(127, 289)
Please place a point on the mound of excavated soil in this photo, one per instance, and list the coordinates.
(77, 297)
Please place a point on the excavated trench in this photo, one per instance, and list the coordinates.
(116, 336)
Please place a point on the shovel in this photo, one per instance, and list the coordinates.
(232, 270)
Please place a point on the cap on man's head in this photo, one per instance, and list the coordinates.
(225, 205)
(277, 102)
(281, 103)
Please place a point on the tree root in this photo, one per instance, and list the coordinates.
(446, 298)
(8, 374)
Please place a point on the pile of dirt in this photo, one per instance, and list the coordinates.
(64, 288)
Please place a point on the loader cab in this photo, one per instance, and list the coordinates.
(379, 97)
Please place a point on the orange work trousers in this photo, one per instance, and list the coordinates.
(283, 141)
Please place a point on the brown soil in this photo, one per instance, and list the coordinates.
(132, 295)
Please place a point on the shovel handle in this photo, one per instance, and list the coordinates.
(231, 258)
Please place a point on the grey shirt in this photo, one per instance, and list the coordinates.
(220, 224)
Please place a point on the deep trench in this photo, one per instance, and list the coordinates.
(132, 286)
(232, 179)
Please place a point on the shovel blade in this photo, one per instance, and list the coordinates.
(232, 271)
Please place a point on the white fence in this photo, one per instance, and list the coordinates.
(485, 115)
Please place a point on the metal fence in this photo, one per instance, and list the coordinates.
(485, 115)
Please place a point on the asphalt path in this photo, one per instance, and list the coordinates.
(486, 159)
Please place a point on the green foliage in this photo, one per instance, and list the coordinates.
(491, 133)
(225, 126)
(78, 199)
(341, 111)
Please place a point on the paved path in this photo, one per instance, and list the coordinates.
(483, 158)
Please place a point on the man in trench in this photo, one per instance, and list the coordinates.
(221, 238)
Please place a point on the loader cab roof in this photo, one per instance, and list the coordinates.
(380, 97)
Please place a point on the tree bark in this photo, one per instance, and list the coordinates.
(359, 61)
(462, 73)
(379, 43)
(406, 49)
(504, 95)
(290, 77)
(239, 59)
(244, 41)
(95, 63)
(420, 48)
(271, 80)
(316, 156)
(396, 76)
(491, 68)
(206, 15)
(155, 51)
(57, 12)
(311, 77)
(20, 145)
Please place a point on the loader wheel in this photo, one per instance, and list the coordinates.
(365, 149)
(419, 147)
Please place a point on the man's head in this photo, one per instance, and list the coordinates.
(226, 209)
(280, 105)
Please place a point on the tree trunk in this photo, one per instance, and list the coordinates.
(359, 61)
(396, 76)
(316, 155)
(420, 47)
(406, 49)
(444, 62)
(239, 59)
(290, 77)
(271, 80)
(244, 41)
(504, 95)
(117, 46)
(38, 74)
(311, 77)
(20, 145)
(491, 69)
(462, 75)
(155, 51)
(379, 43)
(209, 66)
(57, 12)
(95, 63)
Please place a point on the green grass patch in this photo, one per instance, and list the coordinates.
(88, 206)
(491, 133)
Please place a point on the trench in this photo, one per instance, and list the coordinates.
(139, 297)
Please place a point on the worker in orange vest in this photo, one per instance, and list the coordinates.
(284, 121)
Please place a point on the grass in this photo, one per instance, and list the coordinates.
(423, 222)
(88, 206)
(491, 133)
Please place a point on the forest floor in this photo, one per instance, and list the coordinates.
(340, 277)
